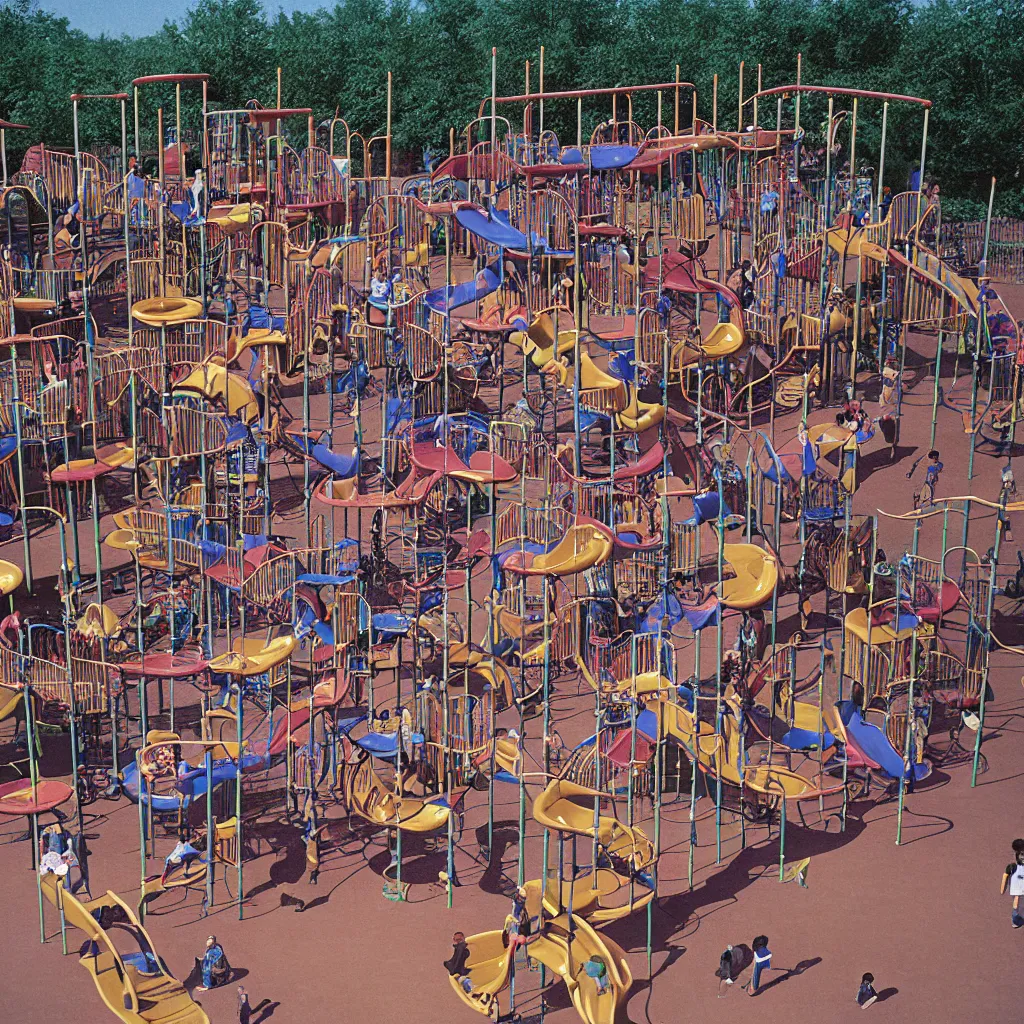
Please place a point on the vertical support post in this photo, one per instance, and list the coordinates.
(739, 106)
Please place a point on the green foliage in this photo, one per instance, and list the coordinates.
(965, 55)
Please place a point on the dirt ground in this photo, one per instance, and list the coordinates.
(924, 916)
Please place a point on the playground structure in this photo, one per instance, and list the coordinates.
(348, 476)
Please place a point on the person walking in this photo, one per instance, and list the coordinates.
(866, 994)
(1013, 877)
(762, 962)
(244, 1009)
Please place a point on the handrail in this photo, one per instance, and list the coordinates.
(833, 90)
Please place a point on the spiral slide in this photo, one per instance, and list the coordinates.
(567, 807)
(569, 912)
(719, 755)
(563, 947)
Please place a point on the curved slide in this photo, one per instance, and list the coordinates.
(587, 544)
(720, 755)
(682, 274)
(563, 946)
(757, 573)
(567, 807)
(875, 746)
(251, 658)
(368, 796)
(136, 987)
(177, 781)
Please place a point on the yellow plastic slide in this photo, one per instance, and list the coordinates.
(724, 339)
(856, 622)
(721, 755)
(418, 256)
(255, 338)
(639, 416)
(11, 577)
(643, 684)
(182, 876)
(99, 620)
(591, 377)
(597, 897)
(757, 573)
(567, 807)
(538, 342)
(830, 437)
(135, 996)
(213, 381)
(487, 969)
(771, 782)
(492, 668)
(250, 658)
(588, 543)
(965, 291)
(230, 219)
(368, 796)
(553, 949)
(10, 699)
(489, 961)
(676, 722)
(507, 756)
(854, 242)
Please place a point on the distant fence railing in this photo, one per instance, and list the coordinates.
(1005, 248)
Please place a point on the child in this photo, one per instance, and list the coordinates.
(380, 293)
(517, 927)
(866, 994)
(926, 496)
(595, 968)
(1007, 491)
(456, 963)
(725, 966)
(1014, 876)
(214, 965)
(244, 1009)
(931, 476)
(762, 962)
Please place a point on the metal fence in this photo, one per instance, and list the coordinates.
(1005, 248)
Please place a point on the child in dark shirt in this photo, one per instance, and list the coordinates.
(866, 994)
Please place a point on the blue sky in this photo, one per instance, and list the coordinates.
(141, 17)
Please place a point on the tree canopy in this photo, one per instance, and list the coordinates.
(965, 55)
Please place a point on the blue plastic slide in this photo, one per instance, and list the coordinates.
(874, 744)
(492, 226)
(445, 299)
